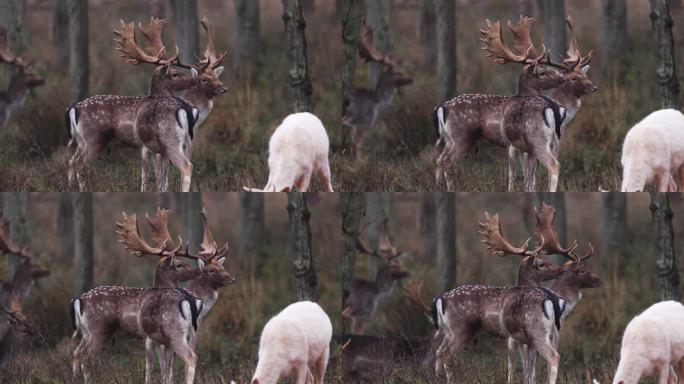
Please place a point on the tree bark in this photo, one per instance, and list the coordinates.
(60, 35)
(553, 14)
(352, 213)
(668, 83)
(613, 229)
(427, 223)
(300, 82)
(79, 63)
(11, 15)
(428, 30)
(377, 215)
(446, 49)
(378, 13)
(65, 226)
(190, 206)
(525, 203)
(613, 32)
(302, 254)
(15, 208)
(251, 224)
(352, 19)
(446, 240)
(247, 34)
(187, 21)
(83, 242)
(663, 235)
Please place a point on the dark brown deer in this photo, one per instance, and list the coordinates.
(362, 297)
(21, 82)
(532, 318)
(103, 311)
(367, 105)
(461, 313)
(467, 119)
(533, 126)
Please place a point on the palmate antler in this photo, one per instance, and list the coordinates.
(127, 44)
(211, 58)
(496, 242)
(496, 48)
(132, 241)
(6, 243)
(545, 227)
(209, 249)
(367, 49)
(385, 248)
(574, 58)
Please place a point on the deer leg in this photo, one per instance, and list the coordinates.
(74, 164)
(324, 175)
(178, 159)
(529, 355)
(544, 348)
(546, 158)
(302, 182)
(91, 346)
(322, 365)
(149, 359)
(513, 156)
(663, 181)
(145, 162)
(512, 347)
(664, 373)
(301, 374)
(167, 377)
(183, 350)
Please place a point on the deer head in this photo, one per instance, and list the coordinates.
(206, 72)
(23, 78)
(392, 74)
(577, 66)
(211, 259)
(388, 253)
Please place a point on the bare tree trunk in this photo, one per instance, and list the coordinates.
(377, 215)
(553, 14)
(427, 223)
(11, 15)
(352, 19)
(251, 224)
(446, 240)
(65, 226)
(247, 33)
(665, 52)
(352, 213)
(302, 254)
(190, 206)
(15, 207)
(300, 82)
(446, 49)
(663, 235)
(613, 32)
(378, 13)
(186, 19)
(79, 62)
(525, 203)
(158, 9)
(83, 242)
(428, 30)
(60, 35)
(613, 228)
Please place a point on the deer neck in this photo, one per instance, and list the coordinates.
(384, 281)
(384, 92)
(158, 90)
(565, 97)
(526, 281)
(163, 281)
(203, 289)
(22, 281)
(566, 287)
(524, 89)
(200, 101)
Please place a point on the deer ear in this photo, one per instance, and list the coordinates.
(222, 260)
(218, 71)
(200, 264)
(194, 73)
(585, 69)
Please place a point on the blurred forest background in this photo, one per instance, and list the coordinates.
(230, 150)
(83, 239)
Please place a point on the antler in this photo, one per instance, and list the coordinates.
(413, 293)
(130, 50)
(496, 48)
(153, 35)
(159, 225)
(545, 228)
(496, 243)
(209, 249)
(7, 245)
(522, 34)
(574, 56)
(6, 55)
(367, 50)
(211, 58)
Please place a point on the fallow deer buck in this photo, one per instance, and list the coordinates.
(21, 82)
(534, 126)
(362, 298)
(467, 119)
(366, 105)
(100, 313)
(463, 312)
(532, 317)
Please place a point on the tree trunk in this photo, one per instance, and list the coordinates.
(613, 32)
(377, 215)
(79, 63)
(427, 223)
(446, 49)
(251, 224)
(668, 83)
(15, 207)
(352, 213)
(446, 240)
(186, 19)
(352, 19)
(613, 229)
(60, 35)
(65, 226)
(378, 13)
(553, 14)
(300, 83)
(158, 9)
(302, 254)
(11, 14)
(525, 203)
(663, 235)
(428, 30)
(190, 206)
(247, 34)
(83, 242)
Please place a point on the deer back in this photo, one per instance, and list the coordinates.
(167, 314)
(165, 123)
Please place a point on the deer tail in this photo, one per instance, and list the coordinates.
(438, 312)
(439, 124)
(71, 121)
(553, 308)
(75, 309)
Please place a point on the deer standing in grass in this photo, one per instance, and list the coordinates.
(103, 311)
(464, 121)
(21, 82)
(461, 313)
(362, 298)
(532, 318)
(367, 105)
